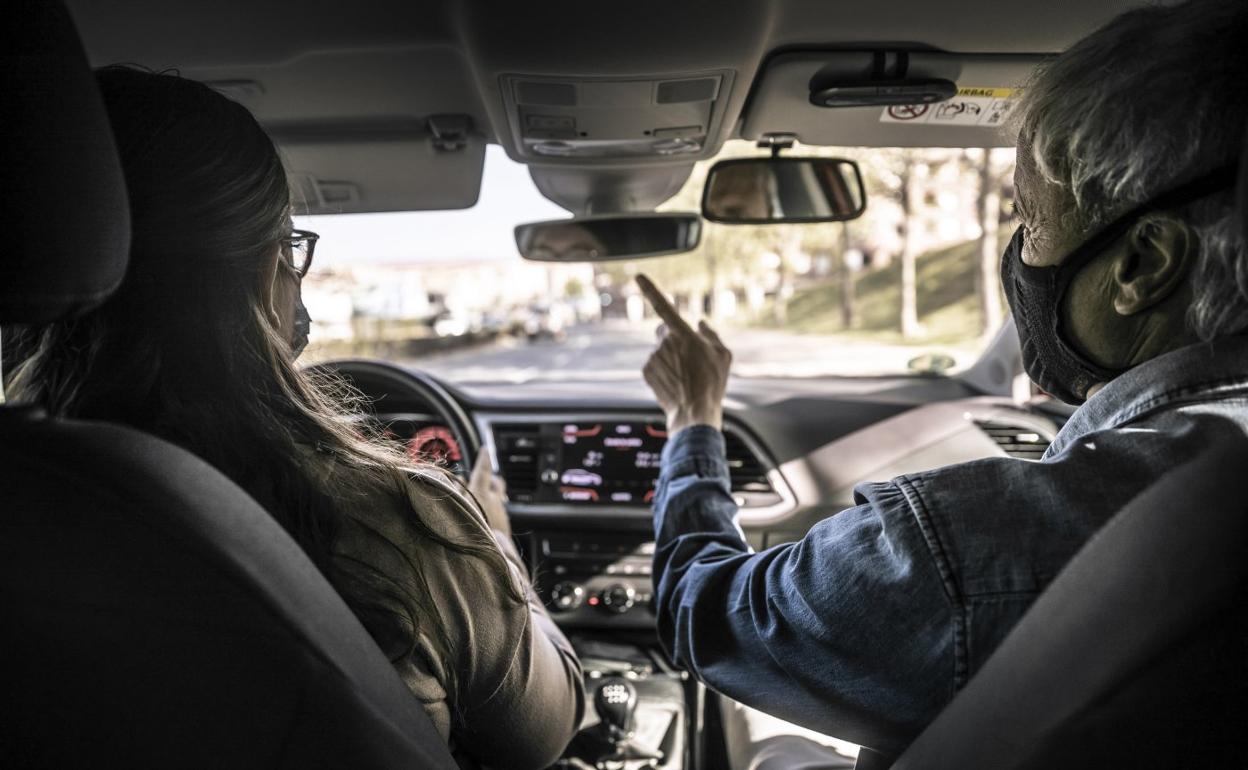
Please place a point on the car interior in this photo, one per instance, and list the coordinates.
(155, 614)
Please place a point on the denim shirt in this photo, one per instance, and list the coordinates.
(866, 627)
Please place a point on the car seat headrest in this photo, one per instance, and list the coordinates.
(63, 198)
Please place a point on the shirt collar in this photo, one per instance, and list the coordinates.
(1197, 372)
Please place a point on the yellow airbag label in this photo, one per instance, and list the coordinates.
(971, 106)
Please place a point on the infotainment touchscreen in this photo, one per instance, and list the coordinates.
(610, 462)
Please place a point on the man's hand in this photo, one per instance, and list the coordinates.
(689, 371)
(491, 492)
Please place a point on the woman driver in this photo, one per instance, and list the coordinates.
(197, 347)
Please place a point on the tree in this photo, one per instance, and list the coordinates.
(909, 197)
(987, 279)
(849, 308)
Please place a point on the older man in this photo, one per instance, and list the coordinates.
(1128, 280)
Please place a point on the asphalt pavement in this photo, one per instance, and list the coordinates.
(617, 350)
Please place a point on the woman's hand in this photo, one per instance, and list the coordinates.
(491, 494)
(689, 371)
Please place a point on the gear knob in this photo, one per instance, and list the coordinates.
(615, 700)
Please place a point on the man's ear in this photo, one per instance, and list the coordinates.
(1159, 253)
(268, 284)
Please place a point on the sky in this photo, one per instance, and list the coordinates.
(508, 198)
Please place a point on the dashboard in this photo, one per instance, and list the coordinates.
(581, 460)
(424, 437)
(592, 475)
(588, 463)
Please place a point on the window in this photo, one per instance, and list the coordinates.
(446, 291)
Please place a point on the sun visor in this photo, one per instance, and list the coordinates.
(368, 130)
(976, 116)
(352, 169)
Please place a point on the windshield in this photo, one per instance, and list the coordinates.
(911, 286)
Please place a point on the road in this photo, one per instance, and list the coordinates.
(617, 350)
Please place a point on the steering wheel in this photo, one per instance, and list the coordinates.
(378, 380)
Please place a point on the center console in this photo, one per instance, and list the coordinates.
(582, 463)
(602, 464)
(580, 488)
(644, 715)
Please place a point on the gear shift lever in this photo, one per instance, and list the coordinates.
(615, 700)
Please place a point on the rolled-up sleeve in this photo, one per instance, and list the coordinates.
(849, 631)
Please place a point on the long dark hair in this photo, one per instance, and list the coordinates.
(187, 350)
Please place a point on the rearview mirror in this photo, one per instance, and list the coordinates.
(608, 237)
(758, 191)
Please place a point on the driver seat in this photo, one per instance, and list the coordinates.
(151, 613)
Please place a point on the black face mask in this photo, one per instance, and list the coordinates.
(1036, 294)
(303, 325)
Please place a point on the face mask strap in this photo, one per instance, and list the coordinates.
(1202, 186)
(1219, 179)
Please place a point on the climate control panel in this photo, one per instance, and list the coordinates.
(596, 578)
(614, 598)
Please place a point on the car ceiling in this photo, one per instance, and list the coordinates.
(348, 89)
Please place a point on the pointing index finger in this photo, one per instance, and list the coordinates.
(662, 306)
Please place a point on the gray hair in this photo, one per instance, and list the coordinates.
(1156, 97)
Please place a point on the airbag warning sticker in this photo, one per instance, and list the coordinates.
(988, 107)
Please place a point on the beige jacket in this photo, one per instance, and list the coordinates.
(511, 693)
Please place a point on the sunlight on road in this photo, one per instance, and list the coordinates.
(617, 351)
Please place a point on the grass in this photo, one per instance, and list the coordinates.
(948, 306)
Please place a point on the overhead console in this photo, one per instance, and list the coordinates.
(616, 120)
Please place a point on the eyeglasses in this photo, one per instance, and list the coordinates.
(297, 250)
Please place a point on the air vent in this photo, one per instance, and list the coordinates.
(749, 476)
(1015, 440)
(517, 447)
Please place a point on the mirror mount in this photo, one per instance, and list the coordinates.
(777, 142)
